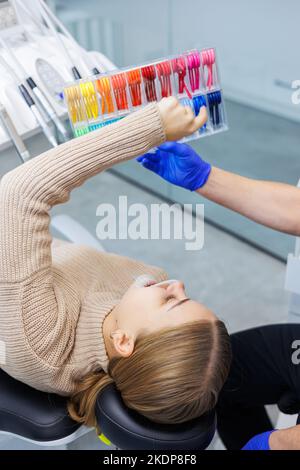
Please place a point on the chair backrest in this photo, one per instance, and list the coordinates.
(31, 414)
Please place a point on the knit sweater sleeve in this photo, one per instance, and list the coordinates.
(28, 293)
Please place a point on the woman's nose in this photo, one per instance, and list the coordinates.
(177, 289)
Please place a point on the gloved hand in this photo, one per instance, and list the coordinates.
(259, 442)
(178, 164)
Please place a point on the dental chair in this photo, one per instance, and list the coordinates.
(41, 418)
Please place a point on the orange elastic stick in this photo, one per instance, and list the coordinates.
(134, 80)
(104, 88)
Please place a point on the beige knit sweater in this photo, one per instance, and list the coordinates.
(54, 296)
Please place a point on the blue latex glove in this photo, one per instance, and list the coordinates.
(259, 442)
(178, 164)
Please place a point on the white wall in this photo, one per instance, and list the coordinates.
(256, 40)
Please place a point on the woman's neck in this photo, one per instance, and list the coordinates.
(108, 326)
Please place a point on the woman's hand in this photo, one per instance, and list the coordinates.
(178, 164)
(180, 121)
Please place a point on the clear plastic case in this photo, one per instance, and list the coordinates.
(192, 77)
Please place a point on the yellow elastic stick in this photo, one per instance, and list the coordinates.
(94, 101)
(104, 439)
(71, 104)
(90, 99)
(85, 99)
(81, 111)
(76, 109)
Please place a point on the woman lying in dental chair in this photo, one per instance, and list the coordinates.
(74, 320)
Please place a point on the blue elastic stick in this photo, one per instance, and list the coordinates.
(214, 101)
(211, 107)
(198, 102)
(218, 101)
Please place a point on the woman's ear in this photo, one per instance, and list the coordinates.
(123, 343)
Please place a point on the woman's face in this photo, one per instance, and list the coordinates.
(149, 306)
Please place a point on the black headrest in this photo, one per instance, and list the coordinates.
(130, 431)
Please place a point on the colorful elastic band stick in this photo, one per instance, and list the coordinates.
(191, 77)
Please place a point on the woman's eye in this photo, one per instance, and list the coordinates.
(170, 297)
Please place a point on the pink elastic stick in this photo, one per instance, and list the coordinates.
(208, 60)
(197, 70)
(179, 67)
(191, 65)
(187, 91)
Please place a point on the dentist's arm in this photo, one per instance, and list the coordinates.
(275, 205)
(285, 439)
(282, 439)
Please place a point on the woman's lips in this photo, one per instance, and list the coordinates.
(150, 283)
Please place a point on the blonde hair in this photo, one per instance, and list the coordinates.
(172, 376)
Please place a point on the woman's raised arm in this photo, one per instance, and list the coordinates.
(28, 192)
